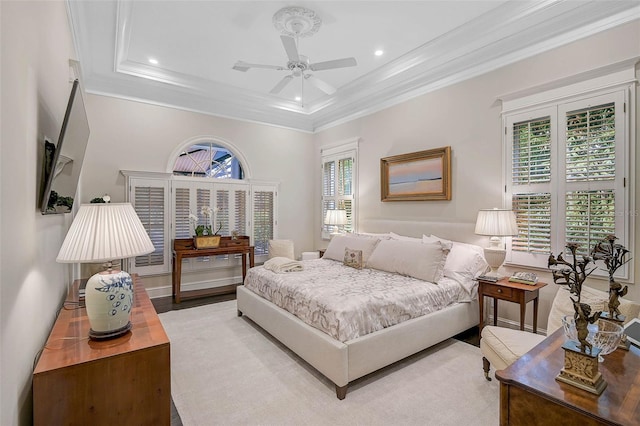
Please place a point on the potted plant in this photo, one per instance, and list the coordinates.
(204, 236)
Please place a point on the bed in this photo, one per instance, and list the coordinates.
(344, 353)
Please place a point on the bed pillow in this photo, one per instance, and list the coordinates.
(464, 263)
(418, 260)
(384, 236)
(399, 237)
(339, 243)
(353, 258)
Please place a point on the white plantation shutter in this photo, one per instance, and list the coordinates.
(264, 223)
(567, 174)
(181, 206)
(533, 216)
(339, 183)
(222, 215)
(240, 208)
(150, 200)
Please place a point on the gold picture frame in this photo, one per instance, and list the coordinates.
(417, 176)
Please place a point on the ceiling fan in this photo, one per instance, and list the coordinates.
(294, 23)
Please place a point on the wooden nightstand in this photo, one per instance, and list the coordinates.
(511, 292)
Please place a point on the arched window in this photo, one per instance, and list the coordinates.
(206, 159)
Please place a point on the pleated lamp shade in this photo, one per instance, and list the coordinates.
(102, 232)
(496, 222)
(336, 217)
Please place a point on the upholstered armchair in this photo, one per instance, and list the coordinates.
(501, 346)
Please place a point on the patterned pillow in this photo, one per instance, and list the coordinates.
(353, 258)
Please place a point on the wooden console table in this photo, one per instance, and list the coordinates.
(183, 248)
(529, 393)
(126, 380)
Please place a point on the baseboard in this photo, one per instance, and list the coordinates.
(167, 291)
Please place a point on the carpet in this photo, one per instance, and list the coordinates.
(225, 370)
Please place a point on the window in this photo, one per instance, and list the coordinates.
(207, 159)
(205, 174)
(566, 175)
(339, 183)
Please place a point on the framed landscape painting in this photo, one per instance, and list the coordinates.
(418, 176)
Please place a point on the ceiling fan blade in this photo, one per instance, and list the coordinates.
(290, 47)
(321, 84)
(336, 63)
(244, 66)
(281, 85)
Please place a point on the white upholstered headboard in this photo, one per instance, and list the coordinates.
(455, 231)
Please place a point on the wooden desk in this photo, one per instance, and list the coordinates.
(511, 292)
(126, 380)
(183, 248)
(529, 393)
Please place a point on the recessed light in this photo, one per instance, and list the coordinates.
(153, 61)
(379, 52)
(298, 98)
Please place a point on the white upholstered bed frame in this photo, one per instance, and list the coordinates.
(343, 362)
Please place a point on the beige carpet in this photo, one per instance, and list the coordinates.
(226, 371)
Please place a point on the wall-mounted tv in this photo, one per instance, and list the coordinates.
(63, 161)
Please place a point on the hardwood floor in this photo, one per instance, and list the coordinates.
(165, 304)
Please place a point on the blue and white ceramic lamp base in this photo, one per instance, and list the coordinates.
(109, 299)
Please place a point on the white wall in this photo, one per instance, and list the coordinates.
(36, 48)
(128, 135)
(466, 116)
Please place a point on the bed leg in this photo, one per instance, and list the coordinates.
(341, 391)
(239, 313)
(486, 366)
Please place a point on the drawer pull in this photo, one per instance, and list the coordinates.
(499, 290)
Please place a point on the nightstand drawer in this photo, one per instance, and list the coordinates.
(499, 291)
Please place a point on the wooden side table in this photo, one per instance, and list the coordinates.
(511, 292)
(126, 380)
(530, 394)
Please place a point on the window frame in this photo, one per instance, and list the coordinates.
(618, 87)
(336, 152)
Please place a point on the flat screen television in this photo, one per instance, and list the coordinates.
(63, 161)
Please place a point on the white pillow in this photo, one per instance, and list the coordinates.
(464, 263)
(384, 236)
(281, 248)
(418, 260)
(339, 243)
(398, 237)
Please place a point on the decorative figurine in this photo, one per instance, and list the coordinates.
(573, 274)
(583, 318)
(614, 256)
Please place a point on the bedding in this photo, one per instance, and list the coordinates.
(347, 303)
(348, 322)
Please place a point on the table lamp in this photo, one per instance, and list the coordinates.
(337, 219)
(496, 223)
(103, 232)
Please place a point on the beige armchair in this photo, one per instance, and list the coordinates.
(501, 346)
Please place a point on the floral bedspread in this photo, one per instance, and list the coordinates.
(347, 303)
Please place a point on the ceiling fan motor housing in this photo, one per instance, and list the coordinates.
(298, 67)
(296, 21)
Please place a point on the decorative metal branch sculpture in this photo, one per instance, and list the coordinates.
(573, 274)
(614, 256)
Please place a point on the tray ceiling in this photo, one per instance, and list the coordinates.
(426, 44)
